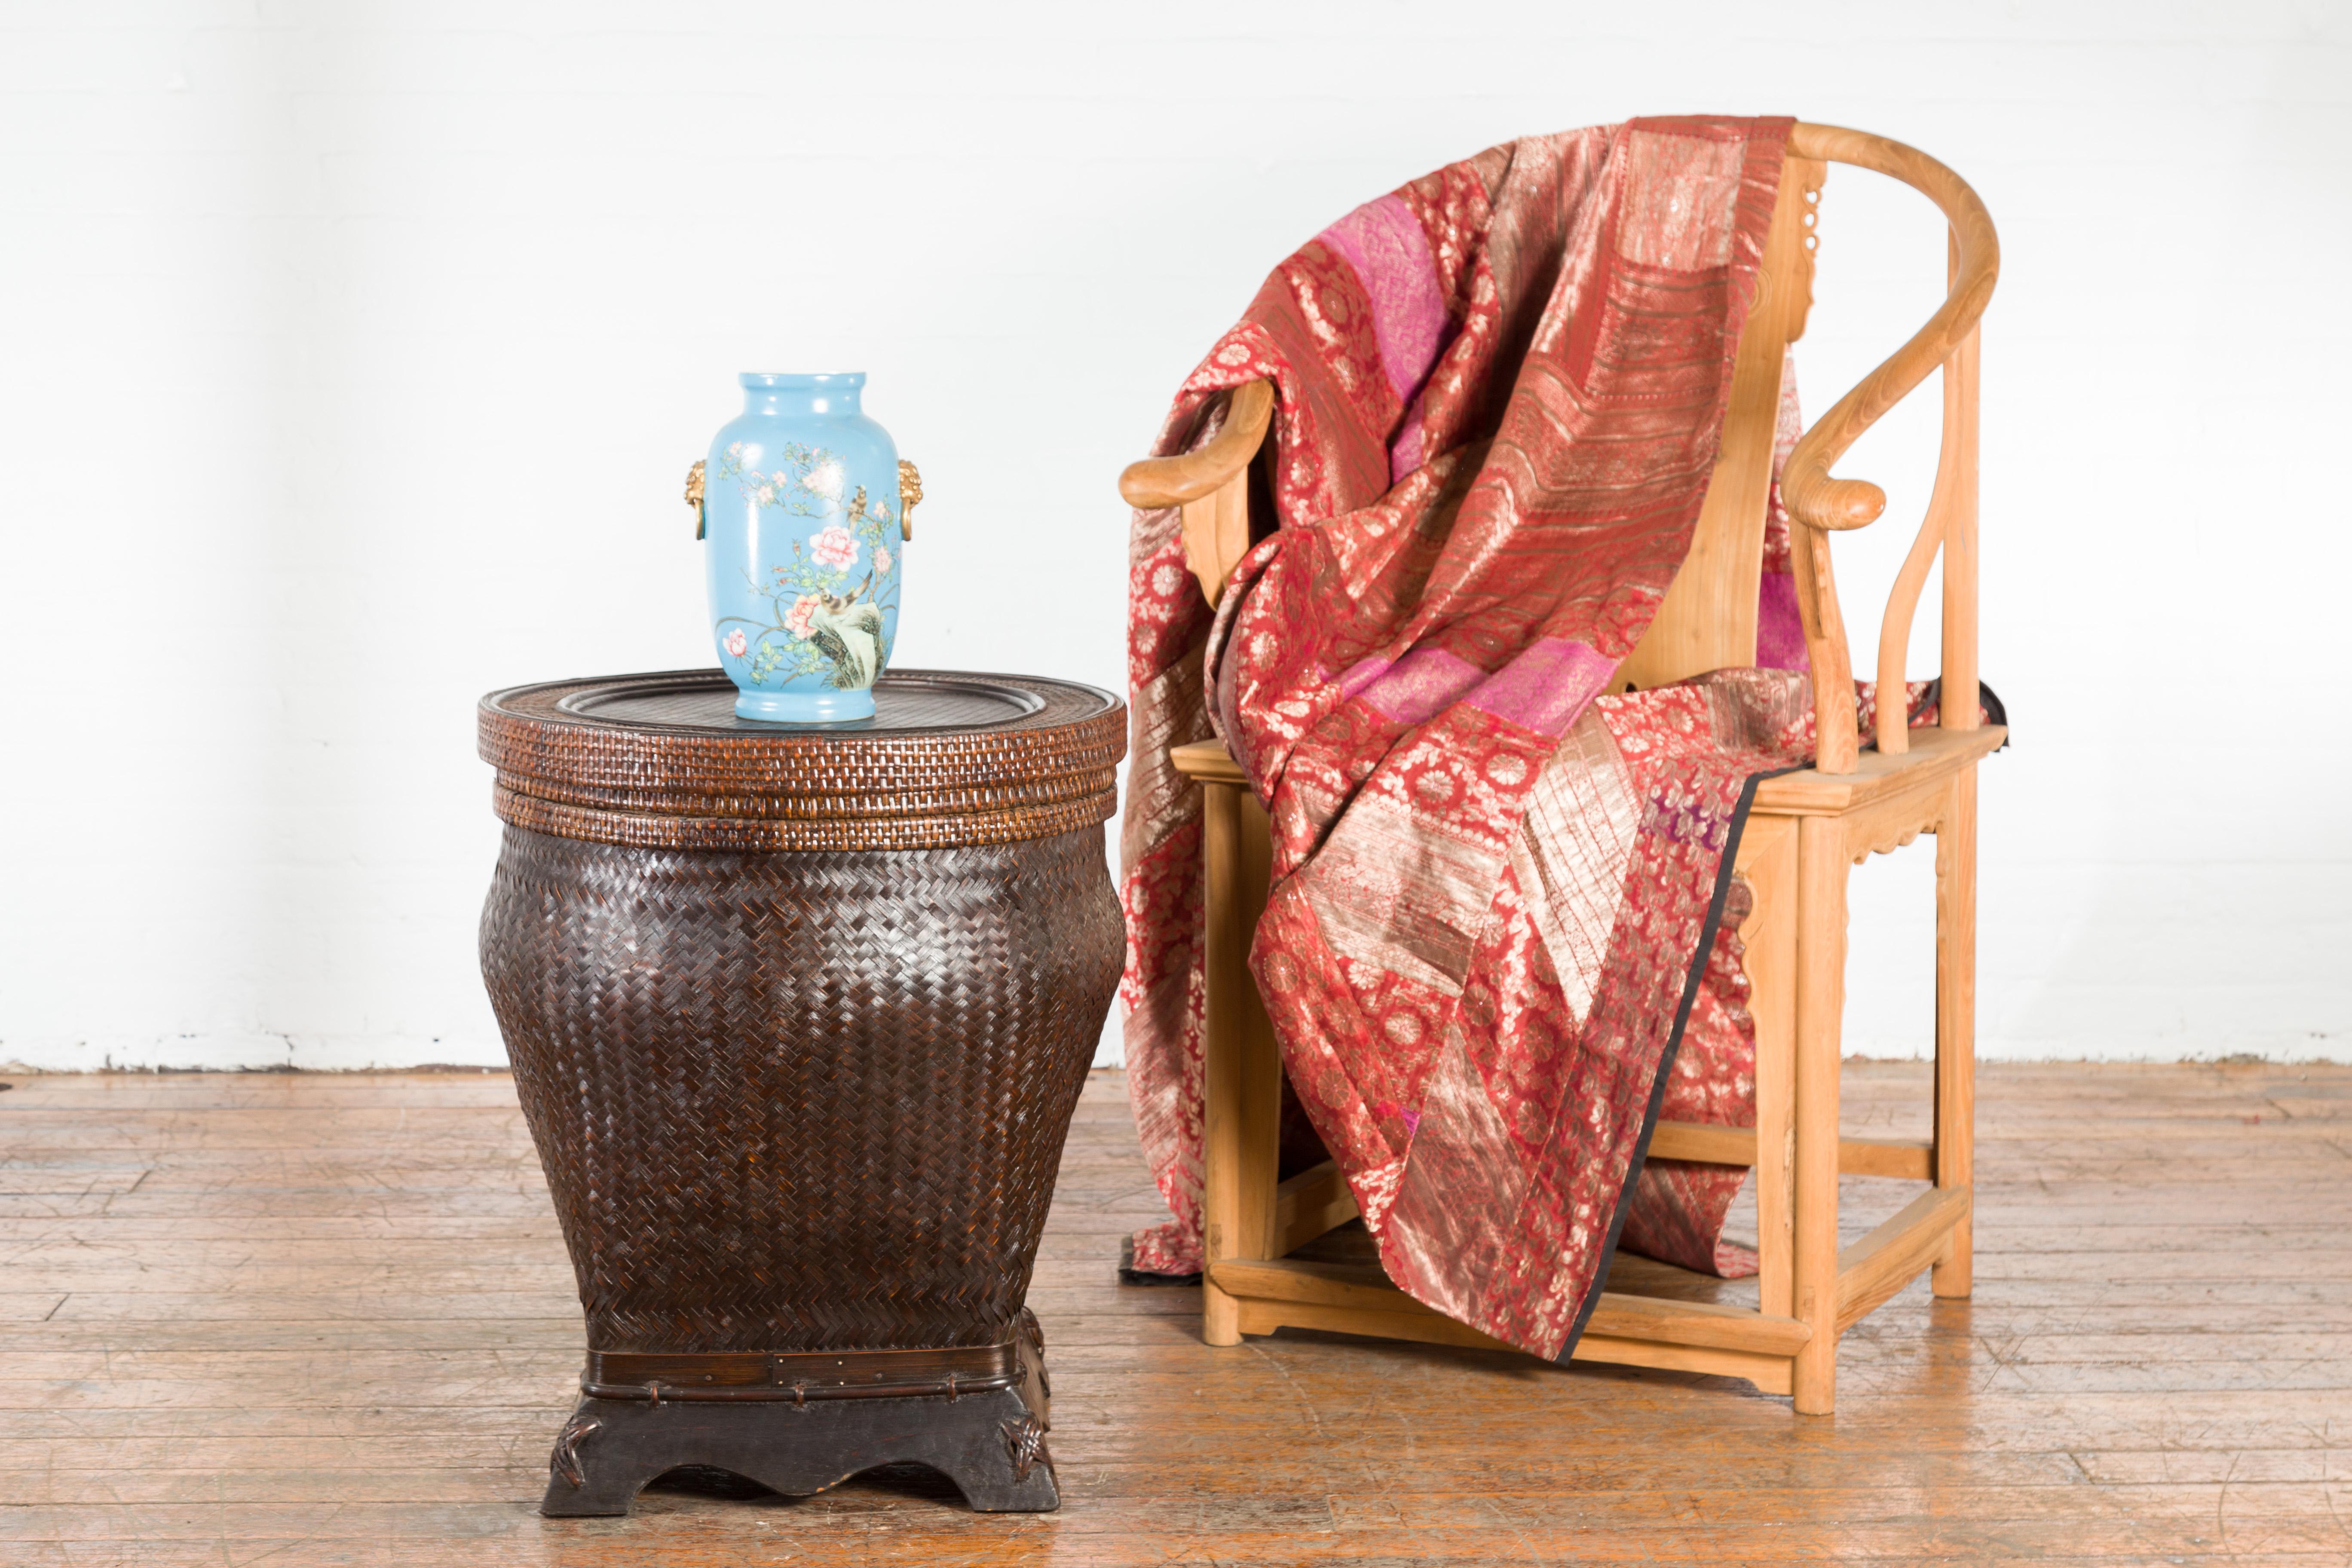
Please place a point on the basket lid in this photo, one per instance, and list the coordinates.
(661, 760)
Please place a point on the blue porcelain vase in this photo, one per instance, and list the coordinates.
(803, 503)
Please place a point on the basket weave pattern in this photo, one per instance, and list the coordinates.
(809, 1101)
(798, 1020)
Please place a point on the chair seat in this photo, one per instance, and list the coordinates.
(1935, 756)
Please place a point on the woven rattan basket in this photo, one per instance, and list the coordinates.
(798, 1018)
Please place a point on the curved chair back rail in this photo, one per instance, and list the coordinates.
(1709, 617)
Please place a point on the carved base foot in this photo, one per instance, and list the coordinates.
(990, 1445)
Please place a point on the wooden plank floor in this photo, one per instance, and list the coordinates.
(327, 1320)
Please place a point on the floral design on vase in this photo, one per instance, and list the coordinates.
(822, 624)
(804, 549)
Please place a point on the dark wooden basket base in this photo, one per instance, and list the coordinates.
(991, 1444)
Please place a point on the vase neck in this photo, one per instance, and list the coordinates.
(833, 394)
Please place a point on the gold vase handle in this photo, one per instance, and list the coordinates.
(693, 496)
(910, 491)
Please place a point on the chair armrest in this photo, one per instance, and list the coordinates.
(1823, 505)
(1192, 476)
(1812, 497)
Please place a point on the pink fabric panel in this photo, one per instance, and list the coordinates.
(1426, 681)
(1546, 686)
(1383, 241)
(1362, 673)
(1388, 249)
(1779, 633)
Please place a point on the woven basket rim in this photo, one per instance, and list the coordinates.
(1065, 748)
(542, 702)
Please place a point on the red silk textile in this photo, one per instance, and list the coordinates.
(1500, 941)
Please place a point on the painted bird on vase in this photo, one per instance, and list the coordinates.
(850, 635)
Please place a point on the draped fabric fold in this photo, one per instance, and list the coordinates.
(1502, 935)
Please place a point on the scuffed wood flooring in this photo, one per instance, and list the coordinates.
(293, 1319)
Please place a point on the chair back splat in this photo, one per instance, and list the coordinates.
(1708, 620)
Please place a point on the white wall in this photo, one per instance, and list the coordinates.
(351, 357)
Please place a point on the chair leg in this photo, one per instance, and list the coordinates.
(1956, 1010)
(1241, 1066)
(1768, 862)
(1821, 870)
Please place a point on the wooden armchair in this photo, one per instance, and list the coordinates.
(1806, 828)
